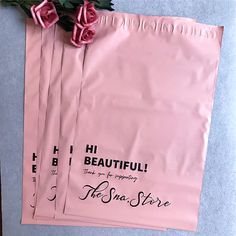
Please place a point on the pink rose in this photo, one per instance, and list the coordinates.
(86, 15)
(44, 14)
(82, 35)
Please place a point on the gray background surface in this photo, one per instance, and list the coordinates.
(218, 201)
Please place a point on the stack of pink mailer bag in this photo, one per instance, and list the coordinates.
(116, 132)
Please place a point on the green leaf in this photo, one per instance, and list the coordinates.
(77, 2)
(66, 23)
(103, 4)
(10, 3)
(26, 10)
(62, 2)
(68, 5)
(30, 2)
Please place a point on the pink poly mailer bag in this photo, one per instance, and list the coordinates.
(45, 75)
(48, 153)
(32, 71)
(71, 87)
(71, 92)
(144, 117)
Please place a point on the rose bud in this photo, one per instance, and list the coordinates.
(44, 14)
(86, 15)
(82, 35)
